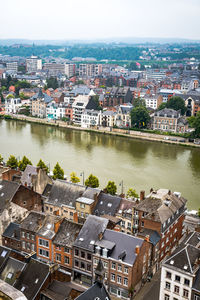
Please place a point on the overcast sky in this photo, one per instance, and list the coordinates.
(92, 19)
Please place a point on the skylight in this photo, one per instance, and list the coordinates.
(23, 288)
(185, 267)
(3, 254)
(10, 275)
(92, 242)
(109, 204)
(171, 262)
(81, 239)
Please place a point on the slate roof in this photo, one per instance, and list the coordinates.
(96, 291)
(61, 290)
(196, 285)
(193, 239)
(184, 258)
(47, 190)
(47, 229)
(11, 292)
(12, 231)
(154, 237)
(42, 96)
(7, 192)
(90, 231)
(65, 193)
(11, 270)
(32, 278)
(33, 221)
(168, 112)
(27, 175)
(107, 205)
(67, 233)
(123, 242)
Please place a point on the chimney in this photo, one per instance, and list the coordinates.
(142, 195)
(56, 226)
(151, 190)
(137, 249)
(169, 192)
(100, 236)
(147, 238)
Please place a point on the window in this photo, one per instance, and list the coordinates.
(126, 281)
(43, 252)
(168, 275)
(119, 279)
(82, 265)
(166, 297)
(76, 252)
(23, 245)
(105, 264)
(10, 275)
(44, 243)
(167, 285)
(186, 281)
(82, 254)
(66, 260)
(177, 278)
(47, 207)
(32, 237)
(113, 266)
(176, 289)
(123, 223)
(126, 270)
(112, 277)
(66, 250)
(89, 268)
(32, 247)
(89, 256)
(51, 209)
(119, 268)
(185, 293)
(71, 213)
(82, 205)
(23, 234)
(58, 257)
(28, 236)
(142, 224)
(76, 263)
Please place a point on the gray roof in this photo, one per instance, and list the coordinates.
(65, 193)
(196, 285)
(154, 237)
(184, 258)
(7, 192)
(27, 174)
(193, 239)
(90, 231)
(4, 254)
(123, 243)
(11, 270)
(67, 233)
(12, 231)
(42, 96)
(107, 205)
(91, 192)
(33, 221)
(168, 112)
(32, 278)
(96, 291)
(10, 291)
(47, 229)
(85, 200)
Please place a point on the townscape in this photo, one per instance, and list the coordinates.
(124, 113)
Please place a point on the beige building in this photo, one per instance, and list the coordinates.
(39, 104)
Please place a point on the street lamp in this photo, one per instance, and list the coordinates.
(83, 175)
(122, 186)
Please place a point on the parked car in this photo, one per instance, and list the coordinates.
(197, 141)
(182, 140)
(173, 139)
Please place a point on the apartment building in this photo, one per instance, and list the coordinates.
(90, 70)
(33, 64)
(39, 104)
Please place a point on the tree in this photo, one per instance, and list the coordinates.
(74, 178)
(23, 163)
(1, 159)
(95, 98)
(176, 103)
(10, 96)
(195, 123)
(12, 162)
(58, 172)
(42, 165)
(92, 181)
(139, 102)
(52, 82)
(131, 193)
(140, 117)
(199, 213)
(162, 105)
(111, 188)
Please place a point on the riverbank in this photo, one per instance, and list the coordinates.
(106, 130)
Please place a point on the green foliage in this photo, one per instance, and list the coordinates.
(12, 162)
(195, 123)
(64, 119)
(162, 106)
(52, 82)
(10, 96)
(111, 188)
(24, 110)
(131, 193)
(95, 98)
(22, 96)
(58, 172)
(140, 117)
(138, 102)
(42, 165)
(23, 163)
(79, 82)
(199, 213)
(176, 103)
(92, 181)
(1, 159)
(74, 178)
(21, 85)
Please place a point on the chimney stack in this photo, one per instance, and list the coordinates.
(142, 195)
(137, 249)
(147, 238)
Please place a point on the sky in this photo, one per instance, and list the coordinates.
(102, 19)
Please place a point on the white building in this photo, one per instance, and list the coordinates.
(12, 66)
(70, 70)
(79, 107)
(89, 118)
(123, 116)
(12, 105)
(55, 111)
(107, 118)
(179, 271)
(33, 64)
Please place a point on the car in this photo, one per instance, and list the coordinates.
(182, 140)
(166, 138)
(173, 139)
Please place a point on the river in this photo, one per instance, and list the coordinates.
(140, 164)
